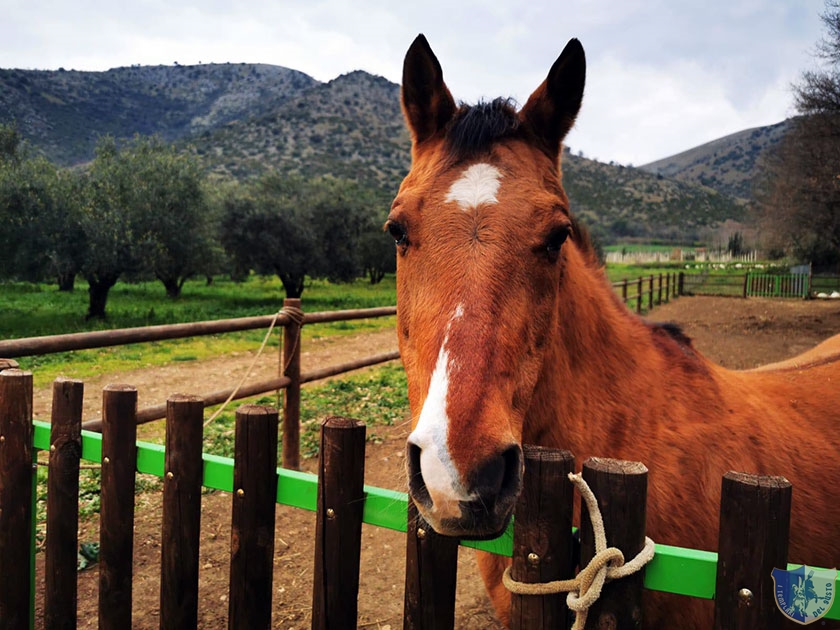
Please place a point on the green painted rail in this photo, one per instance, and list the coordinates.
(673, 569)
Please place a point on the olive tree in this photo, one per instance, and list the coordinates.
(294, 228)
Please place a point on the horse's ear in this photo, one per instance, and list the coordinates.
(426, 101)
(551, 110)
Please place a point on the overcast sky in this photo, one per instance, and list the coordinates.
(662, 75)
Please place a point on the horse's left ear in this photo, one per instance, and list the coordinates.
(551, 110)
(426, 101)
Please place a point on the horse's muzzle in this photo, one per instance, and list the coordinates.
(492, 491)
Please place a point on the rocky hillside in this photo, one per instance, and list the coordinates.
(62, 113)
(350, 127)
(727, 164)
(243, 119)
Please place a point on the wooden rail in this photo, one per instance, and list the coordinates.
(289, 379)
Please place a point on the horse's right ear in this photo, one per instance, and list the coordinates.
(426, 101)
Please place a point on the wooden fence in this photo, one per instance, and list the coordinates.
(289, 377)
(738, 577)
(655, 289)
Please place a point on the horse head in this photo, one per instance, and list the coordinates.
(484, 237)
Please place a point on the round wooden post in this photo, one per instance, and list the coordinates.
(17, 487)
(252, 524)
(650, 292)
(431, 569)
(116, 514)
(621, 490)
(660, 289)
(338, 529)
(680, 285)
(753, 540)
(181, 523)
(624, 290)
(639, 296)
(61, 555)
(291, 394)
(542, 537)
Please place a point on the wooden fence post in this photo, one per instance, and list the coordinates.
(338, 529)
(116, 514)
(680, 286)
(624, 290)
(17, 487)
(542, 537)
(621, 490)
(746, 284)
(753, 540)
(639, 296)
(291, 394)
(252, 523)
(62, 544)
(667, 287)
(431, 568)
(181, 522)
(660, 288)
(650, 292)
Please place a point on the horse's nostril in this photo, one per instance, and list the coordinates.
(499, 478)
(416, 485)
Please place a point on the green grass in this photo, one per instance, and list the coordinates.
(30, 310)
(377, 397)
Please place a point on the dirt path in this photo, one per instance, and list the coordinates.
(734, 332)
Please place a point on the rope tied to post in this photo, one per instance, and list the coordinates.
(607, 564)
(293, 313)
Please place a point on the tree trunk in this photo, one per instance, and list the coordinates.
(293, 285)
(98, 293)
(173, 287)
(66, 281)
(375, 275)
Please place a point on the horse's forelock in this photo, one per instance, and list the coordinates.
(475, 128)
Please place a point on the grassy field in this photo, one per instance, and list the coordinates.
(29, 310)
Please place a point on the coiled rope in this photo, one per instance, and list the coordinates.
(607, 564)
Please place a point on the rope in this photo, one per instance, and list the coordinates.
(293, 313)
(607, 564)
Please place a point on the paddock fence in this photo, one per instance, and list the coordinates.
(653, 289)
(754, 524)
(290, 319)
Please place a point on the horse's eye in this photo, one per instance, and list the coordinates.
(397, 232)
(555, 241)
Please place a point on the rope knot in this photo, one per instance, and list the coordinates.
(607, 564)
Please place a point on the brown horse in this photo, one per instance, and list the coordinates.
(511, 334)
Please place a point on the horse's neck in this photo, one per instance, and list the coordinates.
(602, 361)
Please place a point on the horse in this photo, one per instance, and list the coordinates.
(510, 333)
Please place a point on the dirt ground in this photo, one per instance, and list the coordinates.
(734, 332)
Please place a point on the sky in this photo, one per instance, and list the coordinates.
(662, 75)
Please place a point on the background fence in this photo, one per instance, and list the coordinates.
(738, 577)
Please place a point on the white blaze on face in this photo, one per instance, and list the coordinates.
(478, 184)
(430, 435)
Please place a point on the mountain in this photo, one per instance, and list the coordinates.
(244, 119)
(63, 113)
(727, 164)
(350, 127)
(624, 202)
